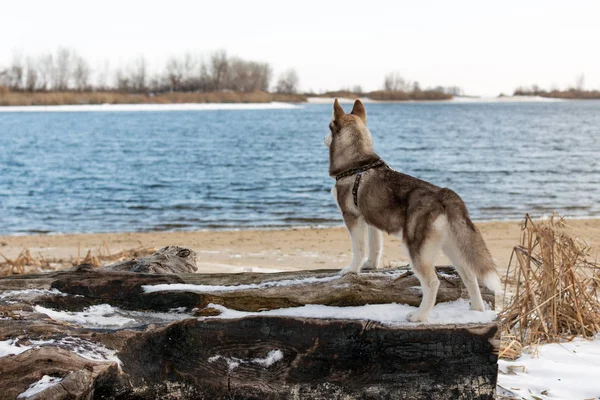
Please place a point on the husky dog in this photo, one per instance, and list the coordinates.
(374, 198)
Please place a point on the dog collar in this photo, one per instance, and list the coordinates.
(360, 170)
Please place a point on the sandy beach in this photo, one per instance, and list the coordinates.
(266, 250)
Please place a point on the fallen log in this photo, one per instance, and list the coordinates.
(288, 358)
(246, 336)
(134, 291)
(78, 376)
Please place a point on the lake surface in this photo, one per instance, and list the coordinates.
(189, 170)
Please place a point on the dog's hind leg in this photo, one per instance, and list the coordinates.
(422, 265)
(375, 249)
(357, 228)
(422, 255)
(467, 276)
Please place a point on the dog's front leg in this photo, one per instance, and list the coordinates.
(375, 249)
(357, 228)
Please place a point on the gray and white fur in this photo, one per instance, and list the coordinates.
(426, 217)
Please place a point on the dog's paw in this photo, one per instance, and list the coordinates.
(416, 316)
(370, 266)
(477, 307)
(348, 270)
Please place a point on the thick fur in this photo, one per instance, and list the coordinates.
(429, 219)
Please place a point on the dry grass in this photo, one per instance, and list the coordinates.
(8, 98)
(510, 348)
(556, 285)
(26, 263)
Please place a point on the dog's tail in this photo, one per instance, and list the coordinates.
(466, 240)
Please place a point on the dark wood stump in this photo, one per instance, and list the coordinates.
(320, 359)
(255, 357)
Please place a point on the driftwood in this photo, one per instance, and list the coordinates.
(168, 260)
(191, 357)
(80, 375)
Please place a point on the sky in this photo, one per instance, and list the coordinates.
(484, 47)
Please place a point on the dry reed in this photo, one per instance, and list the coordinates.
(9, 98)
(556, 288)
(26, 263)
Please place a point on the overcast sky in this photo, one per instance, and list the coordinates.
(485, 47)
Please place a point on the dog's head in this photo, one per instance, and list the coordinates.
(349, 140)
(348, 130)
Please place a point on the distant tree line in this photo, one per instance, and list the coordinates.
(576, 91)
(396, 88)
(66, 70)
(32, 79)
(394, 82)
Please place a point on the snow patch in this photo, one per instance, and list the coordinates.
(152, 107)
(272, 357)
(83, 348)
(504, 99)
(39, 386)
(456, 312)
(185, 287)
(86, 349)
(107, 316)
(233, 362)
(30, 292)
(554, 371)
(11, 346)
(102, 315)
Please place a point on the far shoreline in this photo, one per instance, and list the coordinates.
(274, 105)
(89, 100)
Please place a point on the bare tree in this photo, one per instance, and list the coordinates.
(102, 74)
(357, 89)
(454, 90)
(238, 75)
(3, 79)
(139, 76)
(31, 75)
(287, 82)
(174, 74)
(416, 87)
(264, 74)
(66, 70)
(580, 82)
(219, 69)
(81, 73)
(122, 81)
(191, 76)
(394, 82)
(15, 73)
(45, 70)
(62, 69)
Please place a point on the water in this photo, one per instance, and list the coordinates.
(188, 170)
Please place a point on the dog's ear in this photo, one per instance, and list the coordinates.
(338, 111)
(359, 111)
